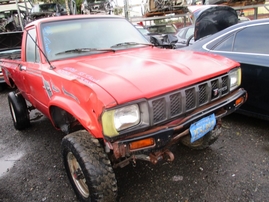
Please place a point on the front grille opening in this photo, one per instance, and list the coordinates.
(224, 85)
(214, 89)
(176, 104)
(202, 94)
(190, 99)
(158, 110)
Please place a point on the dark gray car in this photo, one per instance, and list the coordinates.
(247, 43)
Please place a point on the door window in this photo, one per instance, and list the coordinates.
(190, 32)
(248, 40)
(252, 40)
(225, 45)
(32, 53)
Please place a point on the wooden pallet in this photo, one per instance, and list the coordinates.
(233, 3)
(181, 10)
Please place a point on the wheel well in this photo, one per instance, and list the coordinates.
(12, 84)
(64, 121)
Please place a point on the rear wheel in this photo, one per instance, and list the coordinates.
(88, 168)
(18, 110)
(203, 142)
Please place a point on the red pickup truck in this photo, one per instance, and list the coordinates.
(118, 98)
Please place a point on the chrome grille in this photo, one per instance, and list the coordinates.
(176, 103)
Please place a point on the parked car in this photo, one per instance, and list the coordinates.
(117, 98)
(143, 31)
(183, 35)
(207, 20)
(247, 43)
(162, 29)
(163, 35)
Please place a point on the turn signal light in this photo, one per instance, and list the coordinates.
(142, 143)
(239, 101)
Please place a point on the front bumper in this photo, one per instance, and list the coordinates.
(170, 133)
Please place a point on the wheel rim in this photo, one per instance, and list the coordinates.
(13, 112)
(77, 175)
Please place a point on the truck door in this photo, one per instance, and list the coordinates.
(31, 72)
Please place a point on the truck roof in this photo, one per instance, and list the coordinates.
(68, 17)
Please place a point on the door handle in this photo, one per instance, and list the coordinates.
(22, 68)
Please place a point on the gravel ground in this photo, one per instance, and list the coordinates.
(234, 168)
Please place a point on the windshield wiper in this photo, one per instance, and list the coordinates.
(81, 50)
(131, 44)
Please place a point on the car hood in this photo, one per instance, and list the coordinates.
(144, 73)
(210, 19)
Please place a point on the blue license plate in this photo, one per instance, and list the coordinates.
(202, 127)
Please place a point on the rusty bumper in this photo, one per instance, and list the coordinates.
(166, 135)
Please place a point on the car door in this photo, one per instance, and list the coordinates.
(31, 72)
(249, 46)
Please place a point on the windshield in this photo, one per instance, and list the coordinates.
(162, 29)
(95, 34)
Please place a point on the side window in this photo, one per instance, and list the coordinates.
(253, 40)
(190, 32)
(180, 33)
(225, 45)
(32, 53)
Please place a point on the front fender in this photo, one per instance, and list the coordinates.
(87, 117)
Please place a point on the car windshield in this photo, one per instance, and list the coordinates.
(165, 29)
(143, 30)
(98, 34)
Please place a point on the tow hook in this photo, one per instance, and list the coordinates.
(162, 155)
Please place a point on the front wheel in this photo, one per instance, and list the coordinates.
(19, 111)
(203, 142)
(88, 168)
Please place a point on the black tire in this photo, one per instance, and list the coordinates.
(88, 168)
(203, 142)
(189, 39)
(18, 110)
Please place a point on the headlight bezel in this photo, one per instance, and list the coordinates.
(235, 78)
(108, 119)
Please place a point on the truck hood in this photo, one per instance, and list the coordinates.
(144, 73)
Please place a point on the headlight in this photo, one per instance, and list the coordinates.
(119, 119)
(235, 78)
(126, 117)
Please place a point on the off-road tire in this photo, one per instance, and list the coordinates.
(19, 111)
(83, 153)
(203, 142)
